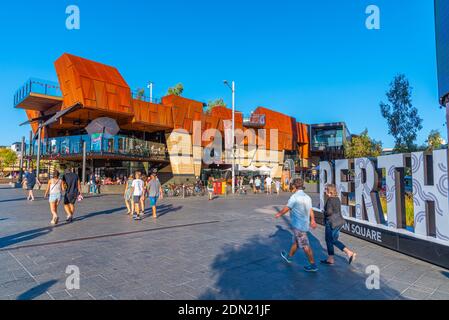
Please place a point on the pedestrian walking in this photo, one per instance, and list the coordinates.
(210, 188)
(137, 190)
(302, 219)
(277, 183)
(29, 183)
(144, 194)
(154, 192)
(92, 184)
(72, 187)
(269, 183)
(128, 195)
(334, 221)
(54, 192)
(257, 183)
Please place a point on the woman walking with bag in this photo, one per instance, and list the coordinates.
(54, 191)
(334, 221)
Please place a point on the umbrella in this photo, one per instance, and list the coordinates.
(107, 126)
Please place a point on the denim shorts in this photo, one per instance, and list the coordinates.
(153, 201)
(54, 197)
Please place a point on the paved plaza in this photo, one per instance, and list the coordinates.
(225, 249)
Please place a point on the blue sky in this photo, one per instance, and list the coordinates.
(314, 60)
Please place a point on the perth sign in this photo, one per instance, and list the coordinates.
(365, 218)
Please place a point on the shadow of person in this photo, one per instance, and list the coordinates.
(163, 210)
(255, 270)
(13, 200)
(98, 213)
(25, 236)
(36, 291)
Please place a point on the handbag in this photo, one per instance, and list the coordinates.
(337, 221)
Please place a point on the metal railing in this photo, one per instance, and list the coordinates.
(142, 97)
(45, 87)
(99, 144)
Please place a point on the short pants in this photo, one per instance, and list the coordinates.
(301, 238)
(153, 201)
(136, 199)
(70, 198)
(54, 197)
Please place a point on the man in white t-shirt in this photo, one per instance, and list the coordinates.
(268, 182)
(137, 192)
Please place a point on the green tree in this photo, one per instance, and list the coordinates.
(362, 146)
(215, 103)
(434, 140)
(403, 119)
(8, 158)
(140, 93)
(176, 90)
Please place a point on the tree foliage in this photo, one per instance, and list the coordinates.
(8, 158)
(140, 93)
(434, 140)
(362, 146)
(216, 103)
(176, 90)
(403, 120)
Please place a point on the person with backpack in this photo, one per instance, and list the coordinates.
(54, 192)
(334, 221)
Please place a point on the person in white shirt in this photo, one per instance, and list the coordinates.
(137, 191)
(277, 183)
(268, 182)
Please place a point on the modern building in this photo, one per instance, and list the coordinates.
(442, 44)
(327, 141)
(173, 135)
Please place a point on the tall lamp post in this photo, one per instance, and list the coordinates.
(232, 87)
(150, 86)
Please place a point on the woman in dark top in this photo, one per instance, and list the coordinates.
(334, 221)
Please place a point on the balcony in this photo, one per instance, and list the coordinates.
(97, 146)
(142, 97)
(38, 95)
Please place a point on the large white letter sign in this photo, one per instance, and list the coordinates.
(343, 186)
(430, 194)
(367, 199)
(326, 177)
(394, 179)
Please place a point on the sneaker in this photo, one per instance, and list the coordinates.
(311, 268)
(135, 217)
(286, 257)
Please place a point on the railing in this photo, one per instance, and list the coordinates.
(38, 86)
(99, 144)
(142, 97)
(331, 143)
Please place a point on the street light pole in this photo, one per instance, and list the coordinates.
(233, 137)
(150, 86)
(232, 87)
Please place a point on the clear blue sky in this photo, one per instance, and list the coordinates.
(314, 60)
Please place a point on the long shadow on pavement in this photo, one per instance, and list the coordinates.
(13, 200)
(35, 233)
(36, 291)
(255, 270)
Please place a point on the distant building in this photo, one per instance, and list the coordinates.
(387, 151)
(327, 141)
(16, 147)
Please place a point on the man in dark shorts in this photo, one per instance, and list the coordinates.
(30, 181)
(72, 187)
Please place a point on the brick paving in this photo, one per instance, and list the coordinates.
(225, 249)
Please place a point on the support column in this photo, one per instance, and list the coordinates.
(38, 159)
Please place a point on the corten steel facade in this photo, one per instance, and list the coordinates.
(151, 133)
(442, 42)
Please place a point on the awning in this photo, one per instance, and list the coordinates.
(58, 115)
(39, 119)
(62, 113)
